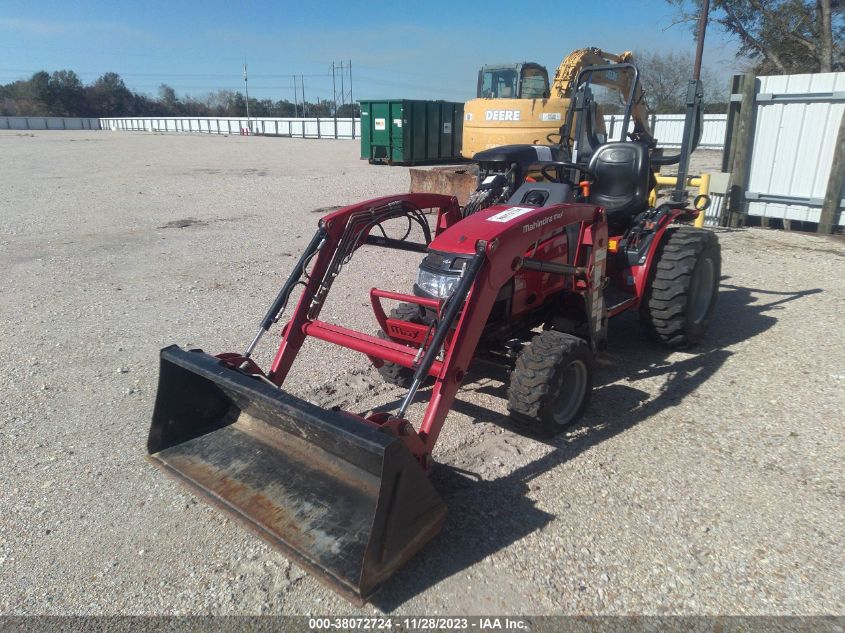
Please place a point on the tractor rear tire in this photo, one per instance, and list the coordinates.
(681, 295)
(551, 382)
(391, 372)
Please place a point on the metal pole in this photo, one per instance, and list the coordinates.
(703, 189)
(351, 100)
(695, 95)
(295, 102)
(342, 88)
(334, 93)
(302, 80)
(246, 88)
(699, 48)
(334, 101)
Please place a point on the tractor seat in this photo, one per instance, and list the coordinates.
(622, 181)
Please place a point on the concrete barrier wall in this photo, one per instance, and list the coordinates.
(48, 123)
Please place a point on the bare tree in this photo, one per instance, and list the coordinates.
(664, 76)
(780, 36)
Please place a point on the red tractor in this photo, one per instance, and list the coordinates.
(532, 283)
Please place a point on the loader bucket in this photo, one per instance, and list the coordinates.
(451, 181)
(346, 500)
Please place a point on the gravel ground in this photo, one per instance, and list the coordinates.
(707, 482)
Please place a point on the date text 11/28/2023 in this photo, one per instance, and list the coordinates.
(421, 623)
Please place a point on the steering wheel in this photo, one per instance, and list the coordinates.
(559, 165)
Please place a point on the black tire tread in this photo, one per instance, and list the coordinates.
(533, 374)
(663, 311)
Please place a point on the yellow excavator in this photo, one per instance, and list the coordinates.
(515, 103)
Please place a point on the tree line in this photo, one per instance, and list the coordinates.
(62, 93)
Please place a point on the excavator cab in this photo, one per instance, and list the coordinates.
(525, 80)
(517, 103)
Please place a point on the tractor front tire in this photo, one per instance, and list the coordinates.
(681, 295)
(391, 372)
(551, 382)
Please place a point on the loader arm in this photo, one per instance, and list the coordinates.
(497, 247)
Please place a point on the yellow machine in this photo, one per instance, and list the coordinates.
(516, 104)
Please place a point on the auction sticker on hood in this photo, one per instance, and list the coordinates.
(509, 214)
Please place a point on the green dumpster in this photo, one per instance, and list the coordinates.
(407, 132)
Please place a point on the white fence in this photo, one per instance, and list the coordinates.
(796, 121)
(342, 128)
(48, 123)
(668, 129)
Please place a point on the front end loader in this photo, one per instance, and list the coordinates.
(347, 495)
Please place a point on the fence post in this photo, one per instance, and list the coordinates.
(735, 206)
(318, 128)
(833, 196)
(729, 142)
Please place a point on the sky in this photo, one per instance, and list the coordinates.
(423, 50)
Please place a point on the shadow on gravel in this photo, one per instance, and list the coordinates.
(487, 516)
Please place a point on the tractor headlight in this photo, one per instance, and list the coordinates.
(439, 274)
(437, 284)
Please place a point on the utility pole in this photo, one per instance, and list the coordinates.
(334, 93)
(246, 88)
(351, 100)
(295, 102)
(695, 94)
(342, 89)
(302, 79)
